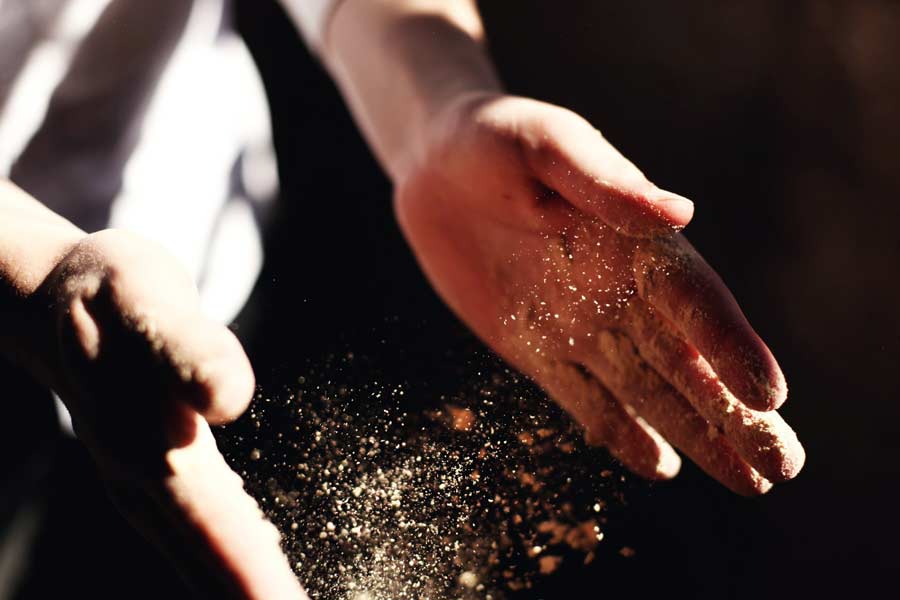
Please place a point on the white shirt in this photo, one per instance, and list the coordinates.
(169, 122)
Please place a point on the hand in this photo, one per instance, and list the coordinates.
(565, 259)
(143, 374)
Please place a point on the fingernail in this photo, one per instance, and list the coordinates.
(678, 208)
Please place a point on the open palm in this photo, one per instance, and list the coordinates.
(565, 260)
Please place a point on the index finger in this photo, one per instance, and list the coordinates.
(673, 278)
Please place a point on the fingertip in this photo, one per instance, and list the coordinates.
(646, 214)
(655, 462)
(777, 390)
(657, 466)
(669, 463)
(230, 396)
(792, 461)
(739, 477)
(756, 486)
(796, 462)
(677, 210)
(225, 383)
(752, 373)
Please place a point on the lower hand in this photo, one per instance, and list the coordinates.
(144, 374)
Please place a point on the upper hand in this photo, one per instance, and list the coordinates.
(143, 374)
(565, 259)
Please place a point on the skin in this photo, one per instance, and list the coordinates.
(113, 324)
(554, 248)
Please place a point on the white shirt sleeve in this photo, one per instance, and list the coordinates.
(311, 18)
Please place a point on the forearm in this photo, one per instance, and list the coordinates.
(32, 242)
(399, 62)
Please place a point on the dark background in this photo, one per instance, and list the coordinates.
(779, 119)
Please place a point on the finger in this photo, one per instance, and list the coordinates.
(609, 424)
(673, 278)
(213, 373)
(572, 158)
(762, 438)
(620, 368)
(214, 533)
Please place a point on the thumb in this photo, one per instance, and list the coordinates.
(132, 320)
(575, 160)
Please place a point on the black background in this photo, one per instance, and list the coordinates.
(779, 120)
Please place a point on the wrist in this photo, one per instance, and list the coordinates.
(401, 64)
(444, 127)
(428, 135)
